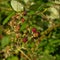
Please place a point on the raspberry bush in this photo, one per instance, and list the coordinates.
(29, 30)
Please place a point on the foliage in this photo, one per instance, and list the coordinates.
(29, 30)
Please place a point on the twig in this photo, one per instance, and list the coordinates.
(48, 31)
(25, 54)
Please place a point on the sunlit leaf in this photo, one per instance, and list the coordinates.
(54, 13)
(17, 6)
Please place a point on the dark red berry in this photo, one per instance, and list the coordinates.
(24, 40)
(34, 30)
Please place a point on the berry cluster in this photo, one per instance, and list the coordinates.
(16, 23)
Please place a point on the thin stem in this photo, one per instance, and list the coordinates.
(25, 54)
(48, 31)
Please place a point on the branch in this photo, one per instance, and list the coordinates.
(25, 54)
(48, 31)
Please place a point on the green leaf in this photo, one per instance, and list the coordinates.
(5, 41)
(57, 57)
(31, 12)
(47, 57)
(13, 58)
(17, 6)
(23, 26)
(8, 18)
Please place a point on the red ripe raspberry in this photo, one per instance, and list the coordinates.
(34, 30)
(24, 39)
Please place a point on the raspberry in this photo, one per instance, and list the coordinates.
(24, 39)
(34, 30)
